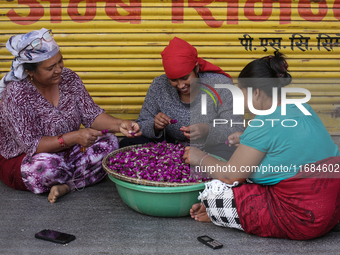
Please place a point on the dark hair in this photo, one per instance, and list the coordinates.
(261, 70)
(31, 67)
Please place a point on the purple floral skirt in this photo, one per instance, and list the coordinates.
(76, 169)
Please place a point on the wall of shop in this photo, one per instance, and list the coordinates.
(115, 45)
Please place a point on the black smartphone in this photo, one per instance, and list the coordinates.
(210, 242)
(55, 236)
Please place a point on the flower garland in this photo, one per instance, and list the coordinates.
(162, 162)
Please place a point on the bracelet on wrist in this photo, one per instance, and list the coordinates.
(204, 158)
(62, 142)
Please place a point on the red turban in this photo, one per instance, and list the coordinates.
(179, 59)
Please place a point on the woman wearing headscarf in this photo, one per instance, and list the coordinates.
(172, 107)
(42, 107)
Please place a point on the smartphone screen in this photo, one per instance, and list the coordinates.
(55, 236)
(206, 238)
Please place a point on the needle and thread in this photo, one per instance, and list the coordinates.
(172, 121)
(104, 132)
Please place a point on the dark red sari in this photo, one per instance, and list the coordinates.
(10, 172)
(304, 207)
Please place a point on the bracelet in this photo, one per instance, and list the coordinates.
(62, 142)
(204, 158)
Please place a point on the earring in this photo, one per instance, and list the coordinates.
(31, 78)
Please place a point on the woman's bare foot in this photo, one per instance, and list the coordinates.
(199, 213)
(58, 191)
(194, 209)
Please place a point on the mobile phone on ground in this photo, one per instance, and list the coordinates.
(55, 236)
(210, 242)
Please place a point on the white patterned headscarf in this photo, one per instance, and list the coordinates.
(16, 44)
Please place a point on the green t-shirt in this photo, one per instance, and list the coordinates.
(289, 141)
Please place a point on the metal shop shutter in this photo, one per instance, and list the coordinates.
(115, 45)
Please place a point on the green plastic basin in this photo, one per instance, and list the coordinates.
(158, 201)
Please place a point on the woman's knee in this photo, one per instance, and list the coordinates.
(43, 160)
(109, 142)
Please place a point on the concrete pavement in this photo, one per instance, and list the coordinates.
(103, 224)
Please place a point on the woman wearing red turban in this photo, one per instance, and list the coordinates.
(173, 104)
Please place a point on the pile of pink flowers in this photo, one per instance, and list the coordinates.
(162, 162)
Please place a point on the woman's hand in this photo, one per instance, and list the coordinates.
(87, 136)
(161, 121)
(130, 128)
(234, 139)
(193, 156)
(196, 131)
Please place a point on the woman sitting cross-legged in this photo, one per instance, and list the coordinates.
(42, 107)
(284, 180)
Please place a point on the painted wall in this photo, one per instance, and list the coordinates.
(115, 45)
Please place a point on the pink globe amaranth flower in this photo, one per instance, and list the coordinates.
(161, 162)
(173, 121)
